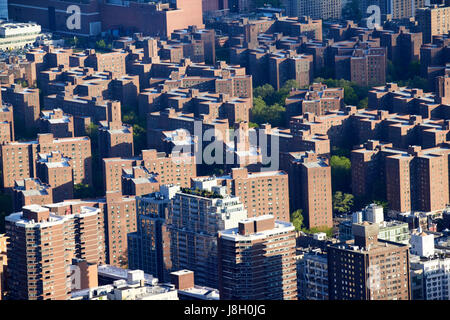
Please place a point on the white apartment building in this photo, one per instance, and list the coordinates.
(430, 269)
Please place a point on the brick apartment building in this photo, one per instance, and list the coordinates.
(31, 191)
(335, 125)
(234, 26)
(115, 139)
(76, 233)
(283, 65)
(287, 141)
(433, 58)
(3, 265)
(412, 118)
(362, 65)
(403, 46)
(25, 102)
(169, 119)
(309, 187)
(19, 158)
(120, 219)
(15, 68)
(402, 130)
(214, 5)
(414, 179)
(6, 123)
(418, 181)
(58, 123)
(257, 260)
(98, 16)
(433, 21)
(169, 140)
(413, 101)
(318, 99)
(138, 181)
(170, 169)
(199, 43)
(220, 78)
(213, 105)
(56, 171)
(287, 66)
(367, 268)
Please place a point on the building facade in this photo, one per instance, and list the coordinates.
(257, 261)
(364, 268)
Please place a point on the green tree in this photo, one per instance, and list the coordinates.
(101, 44)
(263, 91)
(297, 219)
(363, 104)
(262, 113)
(414, 69)
(92, 131)
(416, 82)
(328, 231)
(140, 139)
(281, 95)
(342, 202)
(340, 173)
(391, 72)
(131, 118)
(83, 191)
(354, 94)
(382, 203)
(350, 96)
(338, 151)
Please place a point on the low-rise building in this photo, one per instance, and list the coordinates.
(430, 269)
(394, 230)
(18, 35)
(134, 286)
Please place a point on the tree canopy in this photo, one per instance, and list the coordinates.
(268, 104)
(83, 191)
(130, 117)
(342, 202)
(407, 75)
(327, 230)
(354, 94)
(340, 173)
(101, 44)
(263, 113)
(297, 219)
